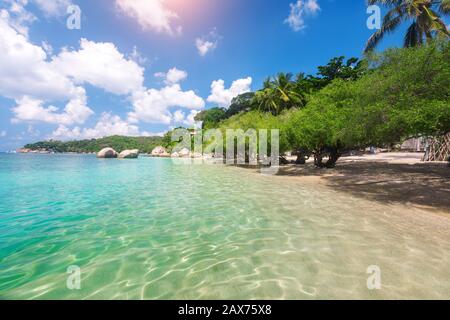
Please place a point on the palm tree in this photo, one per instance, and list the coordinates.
(425, 17)
(279, 93)
(267, 100)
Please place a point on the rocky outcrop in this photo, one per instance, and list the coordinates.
(184, 153)
(41, 151)
(23, 150)
(129, 154)
(159, 151)
(107, 153)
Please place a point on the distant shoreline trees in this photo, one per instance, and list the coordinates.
(118, 143)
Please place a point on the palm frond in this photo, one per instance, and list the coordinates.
(385, 2)
(390, 26)
(413, 36)
(444, 7)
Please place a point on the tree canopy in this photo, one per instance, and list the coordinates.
(406, 95)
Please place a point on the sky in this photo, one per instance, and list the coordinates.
(141, 67)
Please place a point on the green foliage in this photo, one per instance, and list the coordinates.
(425, 17)
(259, 120)
(407, 95)
(167, 142)
(409, 92)
(242, 103)
(396, 95)
(118, 143)
(285, 92)
(326, 121)
(211, 117)
(353, 69)
(279, 93)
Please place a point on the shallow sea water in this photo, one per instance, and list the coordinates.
(150, 229)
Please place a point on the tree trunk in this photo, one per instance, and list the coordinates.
(333, 157)
(318, 162)
(301, 159)
(283, 161)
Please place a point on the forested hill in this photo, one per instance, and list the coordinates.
(118, 143)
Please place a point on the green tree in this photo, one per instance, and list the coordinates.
(211, 117)
(257, 120)
(424, 14)
(405, 96)
(241, 103)
(279, 94)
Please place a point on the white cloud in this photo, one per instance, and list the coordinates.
(108, 125)
(153, 105)
(172, 76)
(27, 77)
(25, 71)
(53, 8)
(21, 18)
(179, 117)
(3, 134)
(137, 57)
(18, 16)
(207, 43)
(222, 97)
(312, 6)
(190, 119)
(102, 65)
(296, 19)
(150, 14)
(153, 134)
(33, 110)
(205, 46)
(34, 82)
(31, 131)
(47, 47)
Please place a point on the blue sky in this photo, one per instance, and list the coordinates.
(147, 65)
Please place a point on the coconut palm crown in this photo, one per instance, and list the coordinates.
(425, 16)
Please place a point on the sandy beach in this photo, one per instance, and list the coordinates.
(390, 178)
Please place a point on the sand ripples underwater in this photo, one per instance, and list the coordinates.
(149, 229)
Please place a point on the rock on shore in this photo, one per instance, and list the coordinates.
(107, 153)
(129, 154)
(160, 152)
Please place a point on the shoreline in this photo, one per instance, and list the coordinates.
(395, 178)
(389, 178)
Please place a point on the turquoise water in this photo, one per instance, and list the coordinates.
(149, 229)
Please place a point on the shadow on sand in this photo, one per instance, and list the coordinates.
(419, 184)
